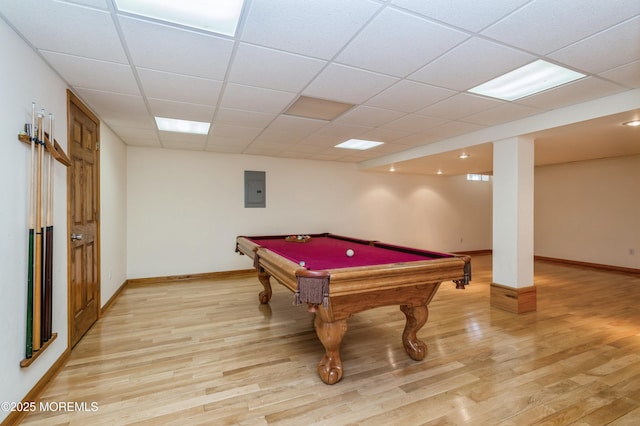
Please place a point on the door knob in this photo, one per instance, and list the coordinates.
(76, 237)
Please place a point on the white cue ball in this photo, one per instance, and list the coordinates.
(302, 263)
(350, 252)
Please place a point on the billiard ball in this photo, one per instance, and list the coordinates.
(350, 252)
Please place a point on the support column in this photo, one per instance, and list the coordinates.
(512, 288)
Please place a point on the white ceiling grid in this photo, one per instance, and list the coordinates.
(404, 64)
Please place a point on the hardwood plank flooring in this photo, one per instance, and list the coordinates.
(206, 352)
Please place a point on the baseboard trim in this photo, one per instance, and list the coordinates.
(16, 417)
(112, 298)
(475, 252)
(242, 273)
(609, 268)
(515, 300)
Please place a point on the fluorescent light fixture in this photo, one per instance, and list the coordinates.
(535, 77)
(634, 123)
(358, 144)
(220, 16)
(182, 126)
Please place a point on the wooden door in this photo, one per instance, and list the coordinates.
(83, 193)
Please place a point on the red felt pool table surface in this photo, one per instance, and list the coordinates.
(326, 251)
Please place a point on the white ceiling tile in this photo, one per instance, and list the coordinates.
(148, 143)
(324, 140)
(180, 88)
(579, 91)
(503, 113)
(173, 140)
(454, 128)
(385, 135)
(181, 110)
(236, 132)
(298, 125)
(171, 49)
(134, 132)
(414, 123)
(459, 106)
(420, 138)
(243, 118)
(269, 144)
(398, 43)
(228, 146)
(627, 75)
(138, 136)
(473, 62)
(278, 70)
(409, 96)
(62, 27)
(237, 96)
(342, 132)
(543, 26)
(594, 54)
(293, 26)
(388, 148)
(462, 13)
(116, 109)
(100, 4)
(94, 74)
(369, 116)
(346, 84)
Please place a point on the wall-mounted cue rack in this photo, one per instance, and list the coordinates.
(40, 234)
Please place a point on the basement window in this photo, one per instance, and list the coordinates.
(477, 177)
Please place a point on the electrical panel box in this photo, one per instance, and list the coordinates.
(255, 189)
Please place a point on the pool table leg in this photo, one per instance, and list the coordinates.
(265, 295)
(416, 318)
(330, 334)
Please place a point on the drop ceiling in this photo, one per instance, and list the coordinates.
(405, 65)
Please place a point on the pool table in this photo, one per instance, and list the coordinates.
(338, 276)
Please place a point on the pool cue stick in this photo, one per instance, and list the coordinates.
(48, 258)
(32, 136)
(37, 286)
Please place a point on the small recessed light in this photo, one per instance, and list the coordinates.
(464, 155)
(182, 126)
(439, 172)
(532, 78)
(392, 169)
(358, 144)
(634, 123)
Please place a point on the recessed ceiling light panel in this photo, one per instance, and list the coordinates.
(220, 16)
(533, 78)
(182, 126)
(358, 144)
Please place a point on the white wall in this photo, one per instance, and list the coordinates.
(25, 79)
(589, 211)
(113, 213)
(184, 209)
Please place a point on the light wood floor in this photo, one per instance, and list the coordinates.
(207, 353)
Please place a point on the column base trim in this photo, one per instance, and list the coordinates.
(514, 300)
